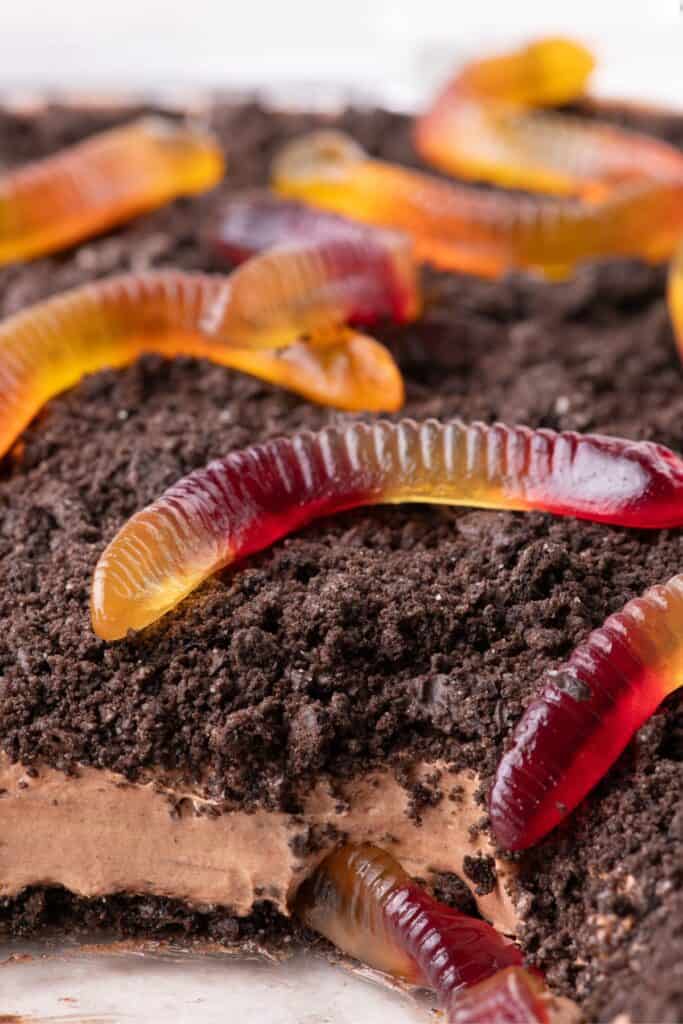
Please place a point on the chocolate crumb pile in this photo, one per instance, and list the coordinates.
(373, 638)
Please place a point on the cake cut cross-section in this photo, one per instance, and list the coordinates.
(358, 681)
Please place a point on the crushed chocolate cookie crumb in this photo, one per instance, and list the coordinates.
(451, 889)
(373, 638)
(314, 838)
(482, 871)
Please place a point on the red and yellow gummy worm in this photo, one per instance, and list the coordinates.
(586, 714)
(487, 233)
(251, 498)
(273, 301)
(256, 219)
(96, 184)
(487, 124)
(364, 902)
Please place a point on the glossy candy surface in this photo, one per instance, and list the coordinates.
(274, 300)
(545, 152)
(355, 373)
(246, 501)
(511, 996)
(545, 73)
(361, 900)
(257, 219)
(487, 233)
(486, 124)
(587, 712)
(107, 179)
(315, 286)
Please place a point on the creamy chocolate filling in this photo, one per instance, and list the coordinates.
(96, 834)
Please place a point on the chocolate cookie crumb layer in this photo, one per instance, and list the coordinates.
(376, 637)
(125, 916)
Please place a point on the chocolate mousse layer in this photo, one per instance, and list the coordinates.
(377, 641)
(96, 834)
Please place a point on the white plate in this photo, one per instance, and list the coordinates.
(180, 988)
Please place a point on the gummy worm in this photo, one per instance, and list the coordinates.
(483, 125)
(512, 996)
(246, 501)
(483, 232)
(272, 301)
(355, 373)
(96, 184)
(364, 902)
(545, 73)
(587, 712)
(253, 220)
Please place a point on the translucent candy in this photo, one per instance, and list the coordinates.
(314, 286)
(361, 900)
(299, 297)
(251, 221)
(545, 73)
(543, 152)
(483, 232)
(486, 125)
(109, 178)
(512, 996)
(356, 373)
(587, 712)
(246, 501)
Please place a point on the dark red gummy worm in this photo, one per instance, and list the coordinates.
(451, 949)
(512, 996)
(587, 712)
(361, 899)
(252, 221)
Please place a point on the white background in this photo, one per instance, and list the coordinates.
(394, 46)
(392, 50)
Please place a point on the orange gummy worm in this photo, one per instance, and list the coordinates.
(274, 300)
(355, 373)
(96, 184)
(361, 899)
(545, 73)
(485, 125)
(463, 228)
